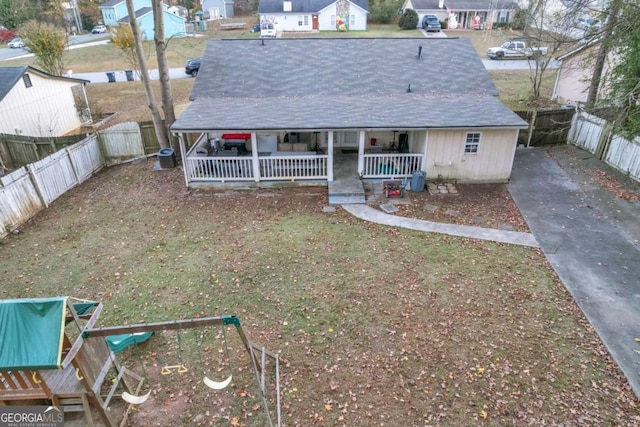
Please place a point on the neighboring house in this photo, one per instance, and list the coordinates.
(311, 101)
(315, 15)
(574, 74)
(179, 10)
(489, 11)
(114, 13)
(217, 9)
(34, 103)
(114, 10)
(174, 25)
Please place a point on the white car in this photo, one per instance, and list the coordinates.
(16, 43)
(99, 29)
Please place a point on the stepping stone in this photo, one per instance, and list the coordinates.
(505, 227)
(329, 209)
(479, 220)
(388, 208)
(453, 191)
(451, 212)
(431, 208)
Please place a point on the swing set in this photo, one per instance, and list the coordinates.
(61, 355)
(257, 354)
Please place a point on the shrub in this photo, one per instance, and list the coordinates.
(384, 11)
(409, 20)
(6, 35)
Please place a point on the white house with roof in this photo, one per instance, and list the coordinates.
(218, 9)
(35, 103)
(315, 15)
(465, 11)
(375, 106)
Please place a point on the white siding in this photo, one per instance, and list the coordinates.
(325, 23)
(46, 108)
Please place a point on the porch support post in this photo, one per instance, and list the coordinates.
(254, 157)
(360, 153)
(426, 150)
(330, 156)
(185, 163)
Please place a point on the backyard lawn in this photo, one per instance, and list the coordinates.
(374, 325)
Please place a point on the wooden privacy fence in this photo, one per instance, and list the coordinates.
(596, 136)
(17, 151)
(32, 187)
(545, 127)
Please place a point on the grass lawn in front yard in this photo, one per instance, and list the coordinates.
(375, 325)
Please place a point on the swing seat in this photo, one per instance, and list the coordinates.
(117, 343)
(217, 385)
(135, 400)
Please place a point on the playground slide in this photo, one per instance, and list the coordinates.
(117, 343)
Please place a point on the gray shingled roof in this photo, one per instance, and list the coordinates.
(480, 5)
(343, 83)
(111, 3)
(425, 4)
(9, 76)
(139, 13)
(301, 6)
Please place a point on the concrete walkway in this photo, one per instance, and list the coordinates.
(373, 215)
(591, 242)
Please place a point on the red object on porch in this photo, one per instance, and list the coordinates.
(372, 141)
(236, 136)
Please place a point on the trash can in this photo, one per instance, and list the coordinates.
(111, 76)
(129, 74)
(417, 181)
(167, 158)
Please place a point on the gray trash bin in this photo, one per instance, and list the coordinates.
(167, 158)
(417, 181)
(111, 76)
(129, 74)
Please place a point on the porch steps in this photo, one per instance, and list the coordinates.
(346, 191)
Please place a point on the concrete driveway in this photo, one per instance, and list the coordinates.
(590, 238)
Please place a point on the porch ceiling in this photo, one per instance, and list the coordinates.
(404, 111)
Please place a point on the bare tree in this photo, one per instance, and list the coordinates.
(163, 65)
(603, 52)
(144, 76)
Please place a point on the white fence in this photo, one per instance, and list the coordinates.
(595, 135)
(391, 165)
(28, 190)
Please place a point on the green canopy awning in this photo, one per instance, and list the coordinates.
(31, 333)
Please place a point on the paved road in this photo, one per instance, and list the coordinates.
(591, 240)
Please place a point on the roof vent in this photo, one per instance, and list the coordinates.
(262, 41)
(409, 88)
(419, 52)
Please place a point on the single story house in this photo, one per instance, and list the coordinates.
(217, 9)
(575, 72)
(35, 103)
(384, 102)
(464, 11)
(314, 15)
(114, 13)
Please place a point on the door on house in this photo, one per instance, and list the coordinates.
(314, 22)
(214, 13)
(345, 139)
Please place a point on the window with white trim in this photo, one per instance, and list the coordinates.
(352, 20)
(306, 20)
(333, 20)
(472, 143)
(299, 20)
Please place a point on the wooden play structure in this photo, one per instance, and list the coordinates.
(52, 350)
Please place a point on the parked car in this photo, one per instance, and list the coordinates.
(99, 29)
(255, 28)
(16, 43)
(431, 23)
(516, 49)
(193, 66)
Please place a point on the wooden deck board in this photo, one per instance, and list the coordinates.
(62, 381)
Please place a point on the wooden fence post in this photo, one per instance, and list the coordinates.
(32, 176)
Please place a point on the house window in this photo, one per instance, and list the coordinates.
(299, 21)
(306, 20)
(472, 143)
(333, 20)
(352, 20)
(27, 80)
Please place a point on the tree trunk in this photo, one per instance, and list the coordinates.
(163, 67)
(603, 51)
(144, 76)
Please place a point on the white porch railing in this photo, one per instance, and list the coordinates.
(293, 167)
(219, 168)
(391, 165)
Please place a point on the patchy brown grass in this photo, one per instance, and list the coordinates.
(374, 325)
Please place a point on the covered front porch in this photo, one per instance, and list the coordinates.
(261, 156)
